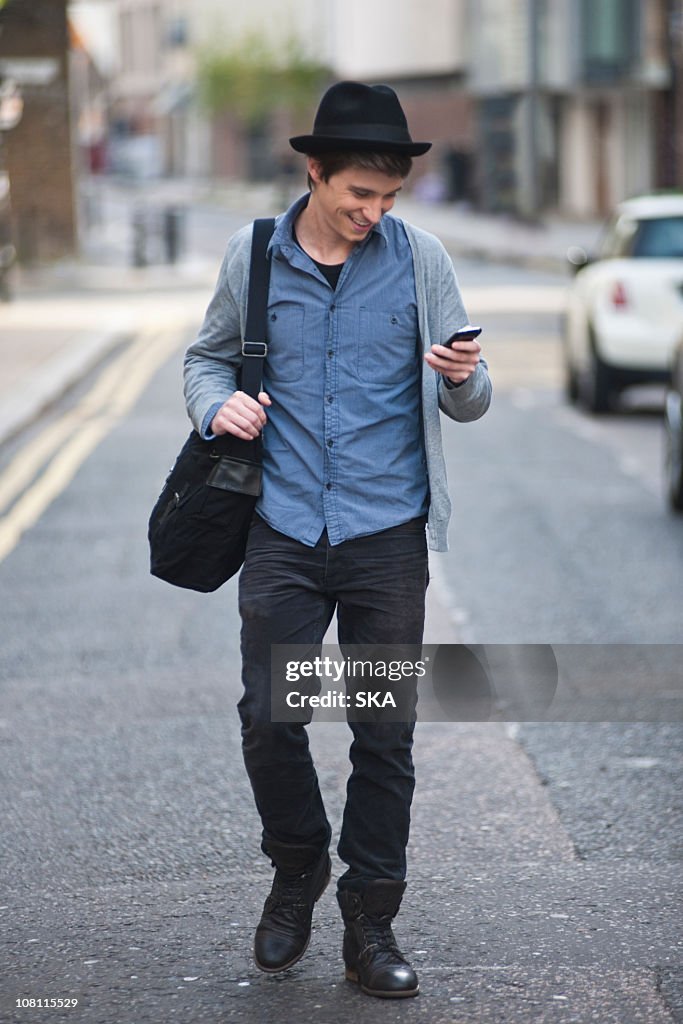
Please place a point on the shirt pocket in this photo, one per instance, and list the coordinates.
(285, 359)
(387, 344)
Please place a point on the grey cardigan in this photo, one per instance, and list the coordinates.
(212, 362)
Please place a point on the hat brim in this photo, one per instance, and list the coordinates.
(314, 144)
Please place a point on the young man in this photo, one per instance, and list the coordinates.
(353, 472)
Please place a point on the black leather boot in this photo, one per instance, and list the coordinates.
(371, 955)
(283, 933)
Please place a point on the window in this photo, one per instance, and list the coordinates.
(610, 38)
(660, 238)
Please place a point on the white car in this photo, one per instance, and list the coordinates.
(625, 306)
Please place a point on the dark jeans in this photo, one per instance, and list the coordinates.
(288, 594)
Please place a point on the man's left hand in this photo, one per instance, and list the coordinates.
(458, 362)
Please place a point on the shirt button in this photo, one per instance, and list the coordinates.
(330, 442)
(332, 308)
(330, 399)
(330, 352)
(328, 487)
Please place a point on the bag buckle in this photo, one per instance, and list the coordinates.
(255, 348)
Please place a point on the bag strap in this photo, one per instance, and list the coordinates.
(254, 347)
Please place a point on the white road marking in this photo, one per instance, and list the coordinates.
(445, 622)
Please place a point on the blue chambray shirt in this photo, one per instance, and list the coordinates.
(343, 446)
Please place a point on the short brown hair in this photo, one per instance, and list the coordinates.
(394, 165)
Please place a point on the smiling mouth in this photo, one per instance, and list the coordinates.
(359, 223)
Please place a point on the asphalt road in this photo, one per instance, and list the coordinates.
(544, 859)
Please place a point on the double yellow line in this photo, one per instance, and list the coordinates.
(47, 464)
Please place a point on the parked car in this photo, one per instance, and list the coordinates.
(625, 305)
(673, 425)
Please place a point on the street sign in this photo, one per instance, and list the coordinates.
(40, 71)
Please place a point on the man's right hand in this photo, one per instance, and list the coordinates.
(241, 416)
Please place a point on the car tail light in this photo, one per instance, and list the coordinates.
(619, 296)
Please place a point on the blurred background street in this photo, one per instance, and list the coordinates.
(545, 859)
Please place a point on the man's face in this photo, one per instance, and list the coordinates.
(352, 201)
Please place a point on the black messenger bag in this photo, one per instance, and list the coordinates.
(199, 525)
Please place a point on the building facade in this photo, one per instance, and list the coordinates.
(533, 105)
(421, 49)
(566, 97)
(418, 48)
(159, 119)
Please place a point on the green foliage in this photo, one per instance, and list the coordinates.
(252, 79)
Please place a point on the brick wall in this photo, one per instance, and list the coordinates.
(442, 113)
(38, 152)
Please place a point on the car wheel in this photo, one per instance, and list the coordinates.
(571, 378)
(674, 452)
(571, 381)
(598, 384)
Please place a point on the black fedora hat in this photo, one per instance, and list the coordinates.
(353, 116)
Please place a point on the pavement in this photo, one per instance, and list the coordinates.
(67, 318)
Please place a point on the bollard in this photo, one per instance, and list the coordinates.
(8, 256)
(139, 239)
(173, 222)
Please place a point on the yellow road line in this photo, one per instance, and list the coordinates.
(26, 464)
(115, 391)
(50, 485)
(33, 455)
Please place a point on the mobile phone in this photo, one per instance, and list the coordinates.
(467, 333)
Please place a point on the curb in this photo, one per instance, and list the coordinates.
(540, 247)
(512, 257)
(115, 278)
(55, 378)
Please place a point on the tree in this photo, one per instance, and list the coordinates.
(252, 80)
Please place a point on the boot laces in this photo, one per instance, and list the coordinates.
(379, 938)
(287, 893)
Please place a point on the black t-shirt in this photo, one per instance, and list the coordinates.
(330, 271)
